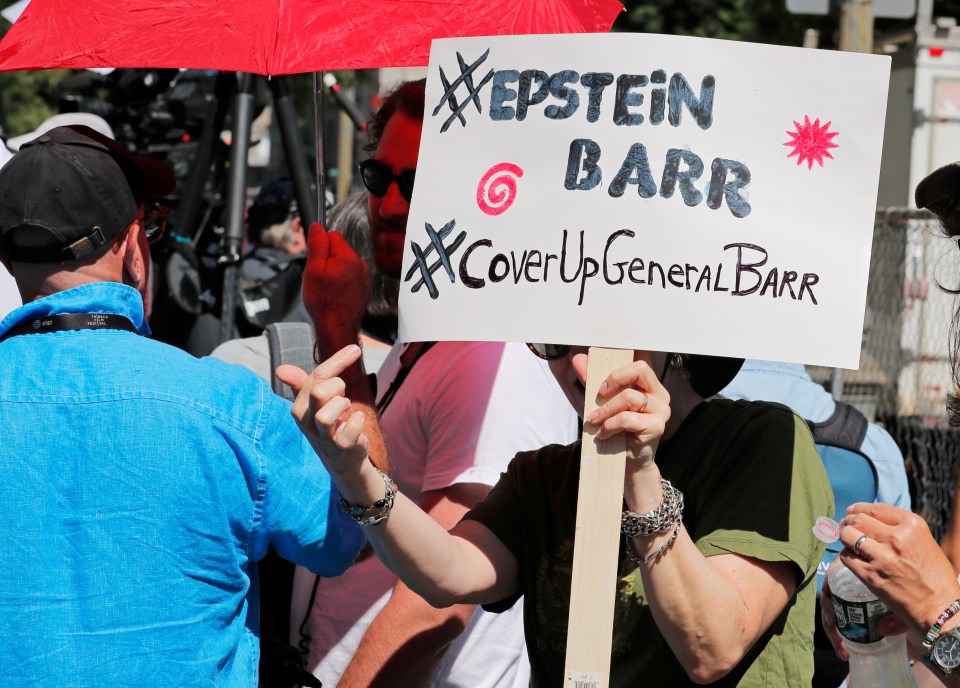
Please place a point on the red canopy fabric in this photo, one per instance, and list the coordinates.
(274, 36)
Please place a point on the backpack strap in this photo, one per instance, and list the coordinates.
(289, 342)
(846, 428)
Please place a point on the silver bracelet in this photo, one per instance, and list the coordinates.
(379, 511)
(635, 557)
(659, 520)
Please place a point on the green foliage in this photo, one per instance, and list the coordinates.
(758, 21)
(27, 99)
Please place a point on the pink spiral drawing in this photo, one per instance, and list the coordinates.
(497, 189)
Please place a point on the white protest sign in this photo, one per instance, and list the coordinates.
(646, 191)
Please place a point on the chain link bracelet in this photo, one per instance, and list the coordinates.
(379, 511)
(635, 557)
(659, 520)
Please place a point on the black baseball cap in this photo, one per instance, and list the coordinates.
(70, 191)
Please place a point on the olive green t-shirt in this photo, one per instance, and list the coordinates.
(753, 484)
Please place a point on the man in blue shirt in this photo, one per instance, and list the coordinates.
(142, 484)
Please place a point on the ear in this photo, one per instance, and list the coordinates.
(133, 255)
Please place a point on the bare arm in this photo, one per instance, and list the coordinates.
(407, 640)
(468, 565)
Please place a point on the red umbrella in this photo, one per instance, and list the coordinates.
(271, 37)
(274, 36)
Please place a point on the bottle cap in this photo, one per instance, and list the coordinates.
(826, 529)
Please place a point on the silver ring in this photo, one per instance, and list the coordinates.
(856, 545)
(646, 400)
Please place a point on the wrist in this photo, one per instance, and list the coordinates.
(645, 531)
(940, 603)
(375, 512)
(363, 487)
(642, 488)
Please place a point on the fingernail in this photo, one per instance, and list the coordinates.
(594, 415)
(603, 389)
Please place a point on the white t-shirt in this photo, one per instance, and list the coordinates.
(465, 410)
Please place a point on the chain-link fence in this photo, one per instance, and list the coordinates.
(904, 373)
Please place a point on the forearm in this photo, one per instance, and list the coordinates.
(698, 607)
(405, 643)
(440, 567)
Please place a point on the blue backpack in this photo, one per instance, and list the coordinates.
(852, 474)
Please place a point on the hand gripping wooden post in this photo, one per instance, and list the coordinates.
(596, 544)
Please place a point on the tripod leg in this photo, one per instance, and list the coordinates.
(303, 185)
(232, 243)
(188, 212)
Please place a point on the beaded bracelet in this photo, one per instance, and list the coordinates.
(379, 511)
(935, 629)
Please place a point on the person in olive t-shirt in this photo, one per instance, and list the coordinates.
(716, 588)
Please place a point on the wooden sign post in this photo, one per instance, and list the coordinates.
(596, 544)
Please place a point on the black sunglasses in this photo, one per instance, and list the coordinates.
(549, 352)
(377, 177)
(155, 221)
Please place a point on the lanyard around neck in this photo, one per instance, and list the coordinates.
(71, 321)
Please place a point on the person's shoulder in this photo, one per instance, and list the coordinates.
(501, 358)
(208, 381)
(252, 353)
(545, 465)
(750, 411)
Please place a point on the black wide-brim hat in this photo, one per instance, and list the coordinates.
(710, 374)
(939, 192)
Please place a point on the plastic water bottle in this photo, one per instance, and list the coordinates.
(875, 661)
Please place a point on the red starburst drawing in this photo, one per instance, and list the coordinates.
(811, 142)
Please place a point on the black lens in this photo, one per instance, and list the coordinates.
(377, 177)
(405, 183)
(548, 351)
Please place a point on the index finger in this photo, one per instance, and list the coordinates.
(639, 373)
(295, 378)
(885, 513)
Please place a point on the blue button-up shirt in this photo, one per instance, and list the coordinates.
(139, 486)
